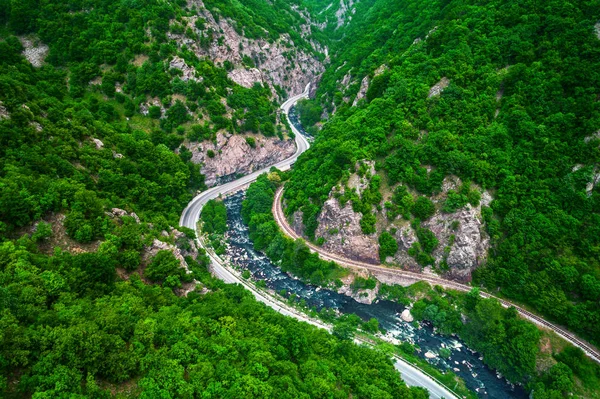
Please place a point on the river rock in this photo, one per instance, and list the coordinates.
(406, 316)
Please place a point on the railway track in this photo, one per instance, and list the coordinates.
(281, 220)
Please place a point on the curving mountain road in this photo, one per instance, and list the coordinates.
(189, 218)
(283, 223)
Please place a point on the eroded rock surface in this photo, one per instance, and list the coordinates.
(439, 87)
(275, 63)
(463, 242)
(35, 53)
(340, 225)
(233, 155)
(406, 237)
(362, 92)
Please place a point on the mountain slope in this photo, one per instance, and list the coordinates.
(488, 110)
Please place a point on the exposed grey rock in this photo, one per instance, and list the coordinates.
(4, 114)
(595, 181)
(597, 29)
(277, 65)
(344, 13)
(594, 136)
(37, 126)
(189, 73)
(234, 156)
(119, 213)
(99, 144)
(439, 87)
(35, 54)
(297, 223)
(153, 102)
(362, 92)
(246, 77)
(406, 237)
(348, 240)
(470, 245)
(362, 296)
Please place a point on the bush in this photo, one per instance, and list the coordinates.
(154, 112)
(388, 246)
(251, 142)
(423, 208)
(163, 265)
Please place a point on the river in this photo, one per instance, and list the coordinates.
(464, 362)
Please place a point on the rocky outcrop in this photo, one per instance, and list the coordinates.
(345, 12)
(597, 29)
(187, 72)
(152, 102)
(231, 155)
(246, 77)
(297, 223)
(98, 143)
(362, 92)
(184, 247)
(4, 114)
(439, 87)
(35, 53)
(406, 237)
(276, 63)
(119, 213)
(364, 84)
(463, 244)
(340, 227)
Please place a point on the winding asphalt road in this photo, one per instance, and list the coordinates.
(284, 225)
(189, 218)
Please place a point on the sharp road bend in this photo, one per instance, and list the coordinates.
(433, 279)
(412, 375)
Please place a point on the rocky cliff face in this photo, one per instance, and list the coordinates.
(340, 225)
(233, 155)
(278, 63)
(463, 242)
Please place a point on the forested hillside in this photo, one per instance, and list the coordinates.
(502, 95)
(96, 98)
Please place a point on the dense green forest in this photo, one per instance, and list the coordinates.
(89, 189)
(93, 176)
(68, 329)
(518, 118)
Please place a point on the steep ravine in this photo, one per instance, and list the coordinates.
(464, 362)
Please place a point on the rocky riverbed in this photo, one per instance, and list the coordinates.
(462, 361)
